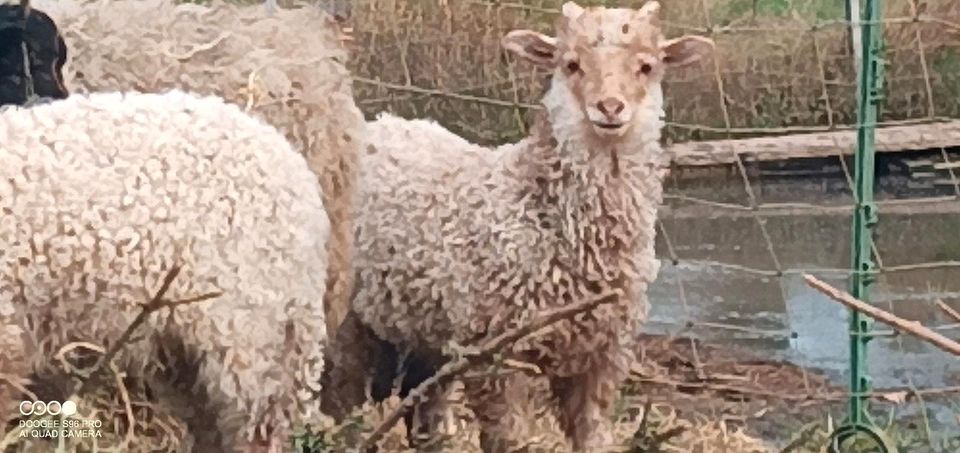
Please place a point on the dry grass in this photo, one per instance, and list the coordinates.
(716, 400)
(649, 416)
(773, 69)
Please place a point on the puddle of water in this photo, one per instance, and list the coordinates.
(780, 316)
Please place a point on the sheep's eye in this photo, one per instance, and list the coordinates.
(645, 68)
(573, 66)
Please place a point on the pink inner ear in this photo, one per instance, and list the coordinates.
(540, 53)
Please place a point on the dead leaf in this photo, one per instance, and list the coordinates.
(895, 397)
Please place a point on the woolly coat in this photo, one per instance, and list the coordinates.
(101, 194)
(286, 67)
(459, 242)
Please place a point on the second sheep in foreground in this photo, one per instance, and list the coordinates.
(456, 242)
(102, 194)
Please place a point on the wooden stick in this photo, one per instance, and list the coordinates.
(911, 327)
(486, 351)
(949, 311)
(156, 303)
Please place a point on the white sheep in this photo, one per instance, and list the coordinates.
(101, 194)
(457, 242)
(285, 67)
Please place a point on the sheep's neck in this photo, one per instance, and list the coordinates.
(605, 196)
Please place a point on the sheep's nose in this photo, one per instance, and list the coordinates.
(610, 107)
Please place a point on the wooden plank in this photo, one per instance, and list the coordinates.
(822, 144)
(946, 166)
(930, 206)
(911, 164)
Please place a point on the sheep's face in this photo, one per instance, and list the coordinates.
(609, 60)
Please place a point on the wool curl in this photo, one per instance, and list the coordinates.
(285, 66)
(102, 194)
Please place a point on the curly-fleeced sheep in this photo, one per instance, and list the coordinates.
(459, 242)
(101, 194)
(286, 67)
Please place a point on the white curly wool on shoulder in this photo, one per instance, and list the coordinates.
(102, 194)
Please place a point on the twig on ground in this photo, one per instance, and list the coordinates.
(155, 304)
(806, 433)
(128, 408)
(661, 438)
(949, 311)
(485, 352)
(820, 397)
(737, 390)
(18, 384)
(638, 443)
(69, 368)
(911, 327)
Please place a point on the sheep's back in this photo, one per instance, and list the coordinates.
(102, 194)
(286, 67)
(418, 198)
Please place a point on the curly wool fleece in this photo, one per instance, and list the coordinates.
(457, 242)
(102, 194)
(460, 242)
(286, 67)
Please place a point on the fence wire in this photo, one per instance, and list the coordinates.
(736, 231)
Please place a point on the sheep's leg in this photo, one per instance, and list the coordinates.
(256, 384)
(585, 404)
(429, 426)
(516, 414)
(353, 358)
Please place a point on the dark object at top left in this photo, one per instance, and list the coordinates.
(25, 29)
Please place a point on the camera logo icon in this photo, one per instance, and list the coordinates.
(48, 408)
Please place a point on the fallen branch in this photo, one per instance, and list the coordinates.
(156, 303)
(805, 435)
(638, 443)
(486, 351)
(737, 390)
(949, 311)
(898, 323)
(662, 438)
(819, 397)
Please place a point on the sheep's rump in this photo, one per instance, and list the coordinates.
(101, 195)
(31, 30)
(286, 67)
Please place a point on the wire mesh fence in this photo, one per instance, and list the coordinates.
(761, 184)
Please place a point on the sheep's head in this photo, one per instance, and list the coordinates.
(612, 61)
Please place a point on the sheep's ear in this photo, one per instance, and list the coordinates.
(685, 50)
(534, 47)
(648, 9)
(572, 10)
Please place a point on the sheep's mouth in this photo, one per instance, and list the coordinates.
(611, 126)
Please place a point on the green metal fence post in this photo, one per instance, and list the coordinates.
(869, 85)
